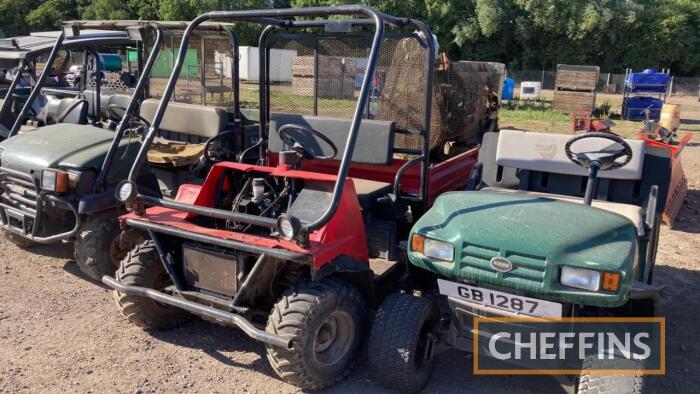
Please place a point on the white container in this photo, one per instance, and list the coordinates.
(530, 90)
(280, 64)
(249, 64)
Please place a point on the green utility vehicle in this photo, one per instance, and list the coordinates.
(57, 181)
(551, 226)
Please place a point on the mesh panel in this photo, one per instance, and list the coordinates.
(327, 73)
(206, 75)
(112, 83)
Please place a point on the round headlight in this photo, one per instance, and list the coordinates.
(288, 226)
(126, 191)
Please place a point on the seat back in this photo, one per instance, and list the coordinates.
(374, 145)
(53, 110)
(187, 122)
(73, 110)
(544, 152)
(120, 100)
(530, 161)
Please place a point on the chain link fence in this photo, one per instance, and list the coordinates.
(607, 82)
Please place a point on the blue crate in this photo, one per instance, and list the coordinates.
(635, 106)
(648, 81)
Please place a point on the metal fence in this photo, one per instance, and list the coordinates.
(607, 82)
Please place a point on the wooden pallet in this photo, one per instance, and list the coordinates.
(569, 102)
(336, 88)
(328, 66)
(578, 78)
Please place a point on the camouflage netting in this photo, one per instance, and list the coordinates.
(459, 98)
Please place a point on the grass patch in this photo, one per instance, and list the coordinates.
(532, 114)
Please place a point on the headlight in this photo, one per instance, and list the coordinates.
(580, 278)
(288, 227)
(54, 181)
(126, 192)
(432, 248)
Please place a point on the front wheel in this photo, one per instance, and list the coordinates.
(595, 383)
(97, 249)
(401, 343)
(142, 267)
(325, 321)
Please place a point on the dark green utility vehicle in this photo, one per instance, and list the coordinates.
(57, 181)
(551, 226)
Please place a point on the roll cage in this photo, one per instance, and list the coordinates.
(276, 19)
(25, 50)
(122, 32)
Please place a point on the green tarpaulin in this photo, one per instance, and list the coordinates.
(164, 65)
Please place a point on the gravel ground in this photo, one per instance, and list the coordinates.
(59, 332)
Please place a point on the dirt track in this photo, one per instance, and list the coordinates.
(61, 333)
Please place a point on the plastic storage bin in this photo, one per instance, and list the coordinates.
(635, 106)
(649, 80)
(508, 89)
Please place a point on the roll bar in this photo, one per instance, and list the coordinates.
(59, 44)
(269, 17)
(37, 88)
(131, 107)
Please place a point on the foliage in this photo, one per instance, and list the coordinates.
(534, 34)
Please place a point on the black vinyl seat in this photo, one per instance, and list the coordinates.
(368, 192)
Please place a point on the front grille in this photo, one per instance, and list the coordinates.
(19, 191)
(527, 270)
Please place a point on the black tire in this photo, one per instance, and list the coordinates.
(142, 267)
(325, 320)
(97, 250)
(20, 241)
(398, 341)
(591, 383)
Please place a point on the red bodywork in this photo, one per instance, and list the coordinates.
(344, 233)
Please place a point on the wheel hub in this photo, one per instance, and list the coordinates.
(334, 338)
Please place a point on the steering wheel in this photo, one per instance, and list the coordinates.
(605, 158)
(298, 147)
(118, 112)
(215, 153)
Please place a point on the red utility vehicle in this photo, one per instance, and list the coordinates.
(296, 248)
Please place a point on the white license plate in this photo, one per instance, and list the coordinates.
(499, 300)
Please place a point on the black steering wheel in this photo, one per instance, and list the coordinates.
(299, 147)
(605, 158)
(118, 112)
(214, 149)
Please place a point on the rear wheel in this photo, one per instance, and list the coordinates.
(97, 250)
(20, 241)
(325, 321)
(400, 349)
(142, 267)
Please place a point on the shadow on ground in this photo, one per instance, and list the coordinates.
(215, 340)
(688, 219)
(71, 267)
(59, 250)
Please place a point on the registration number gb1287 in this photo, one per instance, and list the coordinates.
(499, 300)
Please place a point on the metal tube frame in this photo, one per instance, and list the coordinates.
(193, 307)
(37, 88)
(130, 109)
(377, 19)
(9, 100)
